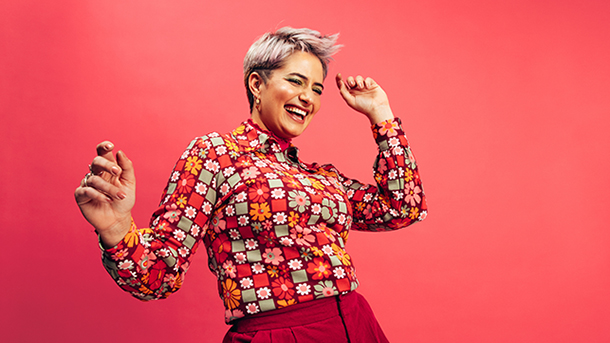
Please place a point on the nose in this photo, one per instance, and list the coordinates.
(306, 96)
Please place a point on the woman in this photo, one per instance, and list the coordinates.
(273, 226)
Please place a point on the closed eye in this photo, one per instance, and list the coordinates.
(295, 81)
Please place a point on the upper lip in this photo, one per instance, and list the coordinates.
(297, 107)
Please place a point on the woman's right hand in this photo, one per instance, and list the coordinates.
(107, 194)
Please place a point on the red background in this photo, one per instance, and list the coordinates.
(506, 107)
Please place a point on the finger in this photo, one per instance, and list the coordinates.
(360, 81)
(102, 186)
(83, 195)
(370, 83)
(104, 149)
(128, 173)
(343, 88)
(101, 164)
(351, 83)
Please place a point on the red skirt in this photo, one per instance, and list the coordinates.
(344, 318)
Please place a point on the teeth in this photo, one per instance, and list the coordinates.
(296, 111)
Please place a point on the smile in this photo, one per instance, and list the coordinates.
(300, 113)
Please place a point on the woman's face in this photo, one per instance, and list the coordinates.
(291, 96)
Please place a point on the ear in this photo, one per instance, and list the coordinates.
(255, 82)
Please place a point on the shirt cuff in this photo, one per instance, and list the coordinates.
(108, 252)
(387, 131)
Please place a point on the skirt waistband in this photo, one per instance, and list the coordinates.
(294, 315)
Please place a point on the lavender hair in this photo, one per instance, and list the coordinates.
(271, 50)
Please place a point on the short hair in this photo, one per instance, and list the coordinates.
(271, 50)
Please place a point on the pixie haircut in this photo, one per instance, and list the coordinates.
(271, 50)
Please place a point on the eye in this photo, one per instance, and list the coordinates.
(295, 81)
(318, 90)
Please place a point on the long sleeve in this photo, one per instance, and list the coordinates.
(150, 263)
(397, 200)
(274, 227)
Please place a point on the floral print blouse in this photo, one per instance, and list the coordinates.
(273, 226)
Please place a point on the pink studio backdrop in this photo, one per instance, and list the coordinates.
(506, 107)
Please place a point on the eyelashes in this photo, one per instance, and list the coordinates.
(299, 82)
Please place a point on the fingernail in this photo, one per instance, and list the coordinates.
(121, 195)
(115, 170)
(108, 146)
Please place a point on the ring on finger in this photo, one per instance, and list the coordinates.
(86, 178)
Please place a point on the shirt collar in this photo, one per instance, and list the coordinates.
(251, 136)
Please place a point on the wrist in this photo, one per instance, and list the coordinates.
(114, 235)
(380, 114)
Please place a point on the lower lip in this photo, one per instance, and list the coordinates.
(296, 118)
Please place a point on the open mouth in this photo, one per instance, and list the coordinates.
(296, 113)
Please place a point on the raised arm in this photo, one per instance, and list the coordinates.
(397, 199)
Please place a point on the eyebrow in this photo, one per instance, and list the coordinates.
(307, 79)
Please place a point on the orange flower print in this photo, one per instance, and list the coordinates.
(193, 165)
(293, 218)
(319, 268)
(413, 213)
(260, 212)
(341, 255)
(285, 303)
(388, 128)
(230, 294)
(181, 201)
(132, 238)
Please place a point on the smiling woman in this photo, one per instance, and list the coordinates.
(274, 227)
(288, 101)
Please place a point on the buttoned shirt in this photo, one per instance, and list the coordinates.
(273, 226)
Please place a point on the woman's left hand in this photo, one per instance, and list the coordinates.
(365, 96)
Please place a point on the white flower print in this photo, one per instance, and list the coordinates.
(251, 244)
(201, 188)
(175, 176)
(285, 241)
(179, 235)
(252, 308)
(279, 218)
(228, 171)
(295, 264)
(246, 283)
(234, 234)
(243, 220)
(327, 250)
(258, 268)
(195, 229)
(221, 150)
(339, 272)
(303, 289)
(241, 258)
(278, 193)
(183, 251)
(190, 212)
(263, 293)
